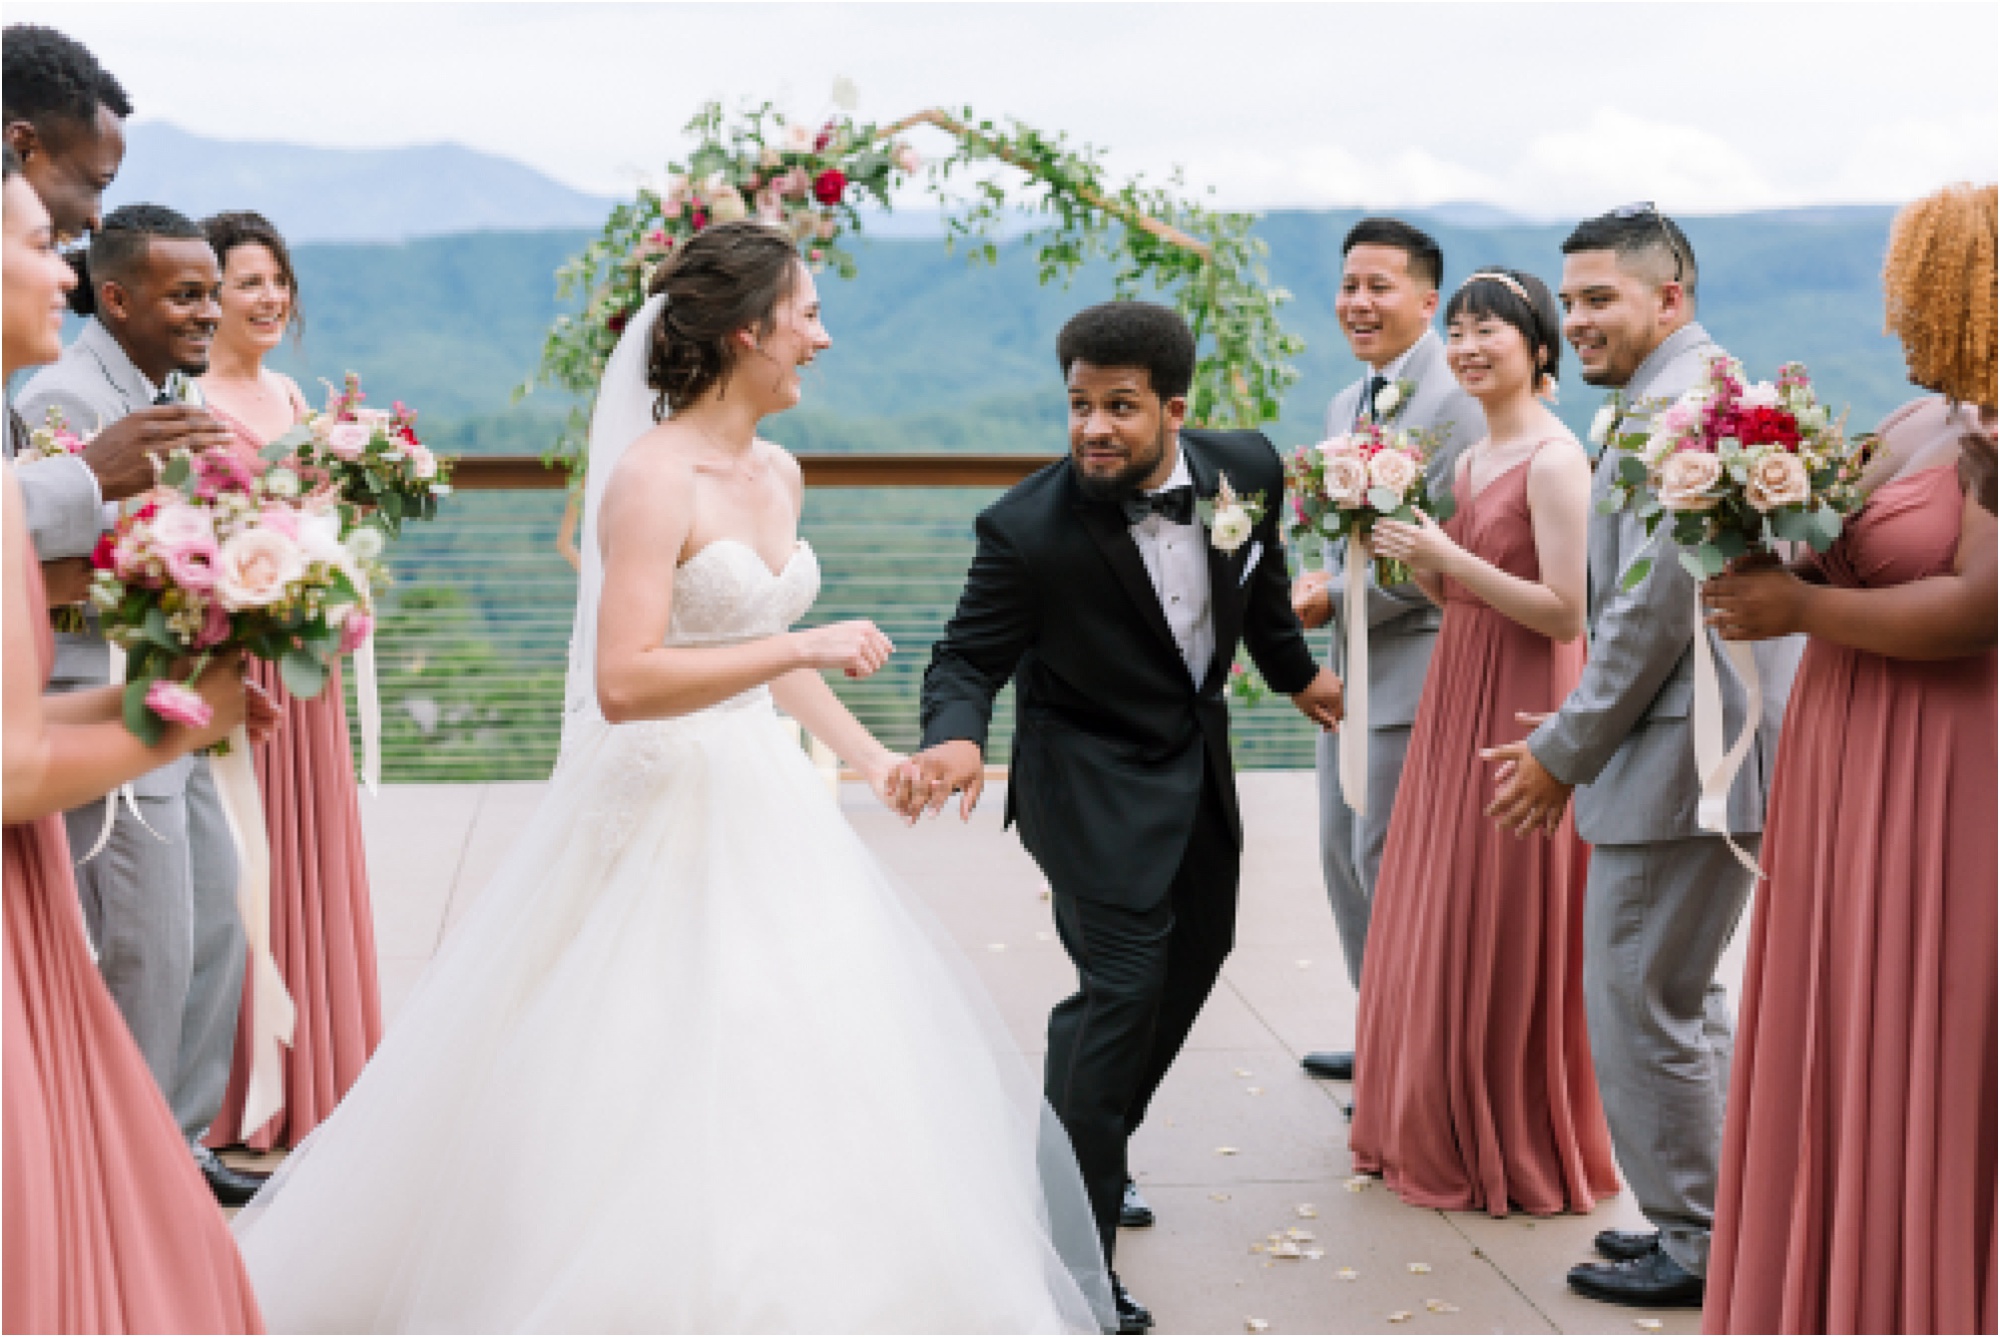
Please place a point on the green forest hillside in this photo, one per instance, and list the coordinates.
(932, 352)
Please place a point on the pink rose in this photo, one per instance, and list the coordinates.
(423, 464)
(281, 518)
(178, 705)
(354, 628)
(191, 565)
(1346, 479)
(255, 567)
(1393, 469)
(1686, 479)
(1777, 478)
(175, 526)
(214, 626)
(348, 440)
(908, 159)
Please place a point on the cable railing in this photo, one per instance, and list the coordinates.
(473, 633)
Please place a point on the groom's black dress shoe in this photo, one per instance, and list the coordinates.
(1333, 1066)
(232, 1188)
(1622, 1246)
(1134, 1212)
(1133, 1317)
(1653, 1282)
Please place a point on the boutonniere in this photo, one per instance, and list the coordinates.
(1230, 518)
(1393, 398)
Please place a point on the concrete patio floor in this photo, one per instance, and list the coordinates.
(432, 850)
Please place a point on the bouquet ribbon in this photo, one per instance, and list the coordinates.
(1716, 766)
(1354, 726)
(368, 704)
(272, 1015)
(124, 791)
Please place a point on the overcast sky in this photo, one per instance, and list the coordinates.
(1545, 109)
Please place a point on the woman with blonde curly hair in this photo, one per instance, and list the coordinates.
(1858, 1162)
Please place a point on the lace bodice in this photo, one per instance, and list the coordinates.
(725, 593)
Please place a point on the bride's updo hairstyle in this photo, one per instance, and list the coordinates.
(728, 277)
(1523, 301)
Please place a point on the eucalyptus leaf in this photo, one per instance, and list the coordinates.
(1635, 573)
(1713, 563)
(1731, 544)
(1692, 564)
(303, 673)
(1384, 500)
(174, 472)
(1791, 524)
(147, 727)
(1631, 471)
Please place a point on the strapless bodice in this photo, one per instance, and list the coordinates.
(725, 593)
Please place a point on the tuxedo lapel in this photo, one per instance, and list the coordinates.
(1225, 569)
(1106, 525)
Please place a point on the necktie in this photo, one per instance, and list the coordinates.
(1175, 504)
(1376, 383)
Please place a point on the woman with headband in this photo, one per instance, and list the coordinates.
(1474, 1085)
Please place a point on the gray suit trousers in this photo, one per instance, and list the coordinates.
(162, 914)
(1656, 920)
(1350, 843)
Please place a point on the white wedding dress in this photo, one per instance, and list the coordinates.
(691, 1063)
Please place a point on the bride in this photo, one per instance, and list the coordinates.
(691, 1063)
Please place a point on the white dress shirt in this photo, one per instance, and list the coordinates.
(1176, 558)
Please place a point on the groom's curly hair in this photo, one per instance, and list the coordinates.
(1132, 334)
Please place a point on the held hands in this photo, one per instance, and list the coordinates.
(122, 455)
(1527, 798)
(232, 700)
(1323, 701)
(1422, 546)
(927, 781)
(856, 648)
(1312, 599)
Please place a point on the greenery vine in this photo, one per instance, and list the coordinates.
(814, 181)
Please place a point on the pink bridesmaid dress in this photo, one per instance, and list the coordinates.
(322, 922)
(107, 1225)
(1474, 1088)
(1858, 1170)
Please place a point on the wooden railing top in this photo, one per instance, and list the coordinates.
(524, 473)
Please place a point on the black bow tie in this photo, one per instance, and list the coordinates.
(1175, 504)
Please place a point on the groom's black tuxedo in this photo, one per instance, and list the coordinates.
(1121, 782)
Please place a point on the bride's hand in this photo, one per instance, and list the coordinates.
(855, 648)
(883, 777)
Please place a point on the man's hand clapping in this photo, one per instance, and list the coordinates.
(122, 455)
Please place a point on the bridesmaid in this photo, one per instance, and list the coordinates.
(1858, 1162)
(322, 926)
(108, 1226)
(1475, 1089)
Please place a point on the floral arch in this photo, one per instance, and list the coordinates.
(814, 180)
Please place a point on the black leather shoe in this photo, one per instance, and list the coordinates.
(232, 1188)
(1133, 1317)
(1653, 1282)
(1134, 1212)
(1333, 1065)
(1622, 1246)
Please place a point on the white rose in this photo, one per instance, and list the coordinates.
(1685, 480)
(1346, 479)
(281, 482)
(365, 543)
(726, 206)
(1387, 399)
(770, 157)
(1231, 528)
(1600, 426)
(255, 567)
(423, 464)
(846, 95)
(1778, 478)
(319, 537)
(798, 138)
(1762, 395)
(1394, 470)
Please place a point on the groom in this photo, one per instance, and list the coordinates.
(1101, 587)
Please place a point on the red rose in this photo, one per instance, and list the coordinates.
(100, 556)
(1764, 426)
(700, 220)
(616, 322)
(829, 185)
(823, 138)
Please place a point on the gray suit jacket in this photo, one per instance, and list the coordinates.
(94, 383)
(1623, 735)
(1402, 623)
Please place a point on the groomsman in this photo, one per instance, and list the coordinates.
(1388, 298)
(1664, 895)
(159, 898)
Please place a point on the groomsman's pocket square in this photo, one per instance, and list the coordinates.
(1250, 562)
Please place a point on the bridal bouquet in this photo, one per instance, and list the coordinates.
(216, 558)
(1739, 466)
(1341, 487)
(372, 458)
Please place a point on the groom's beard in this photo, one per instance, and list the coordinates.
(1125, 483)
